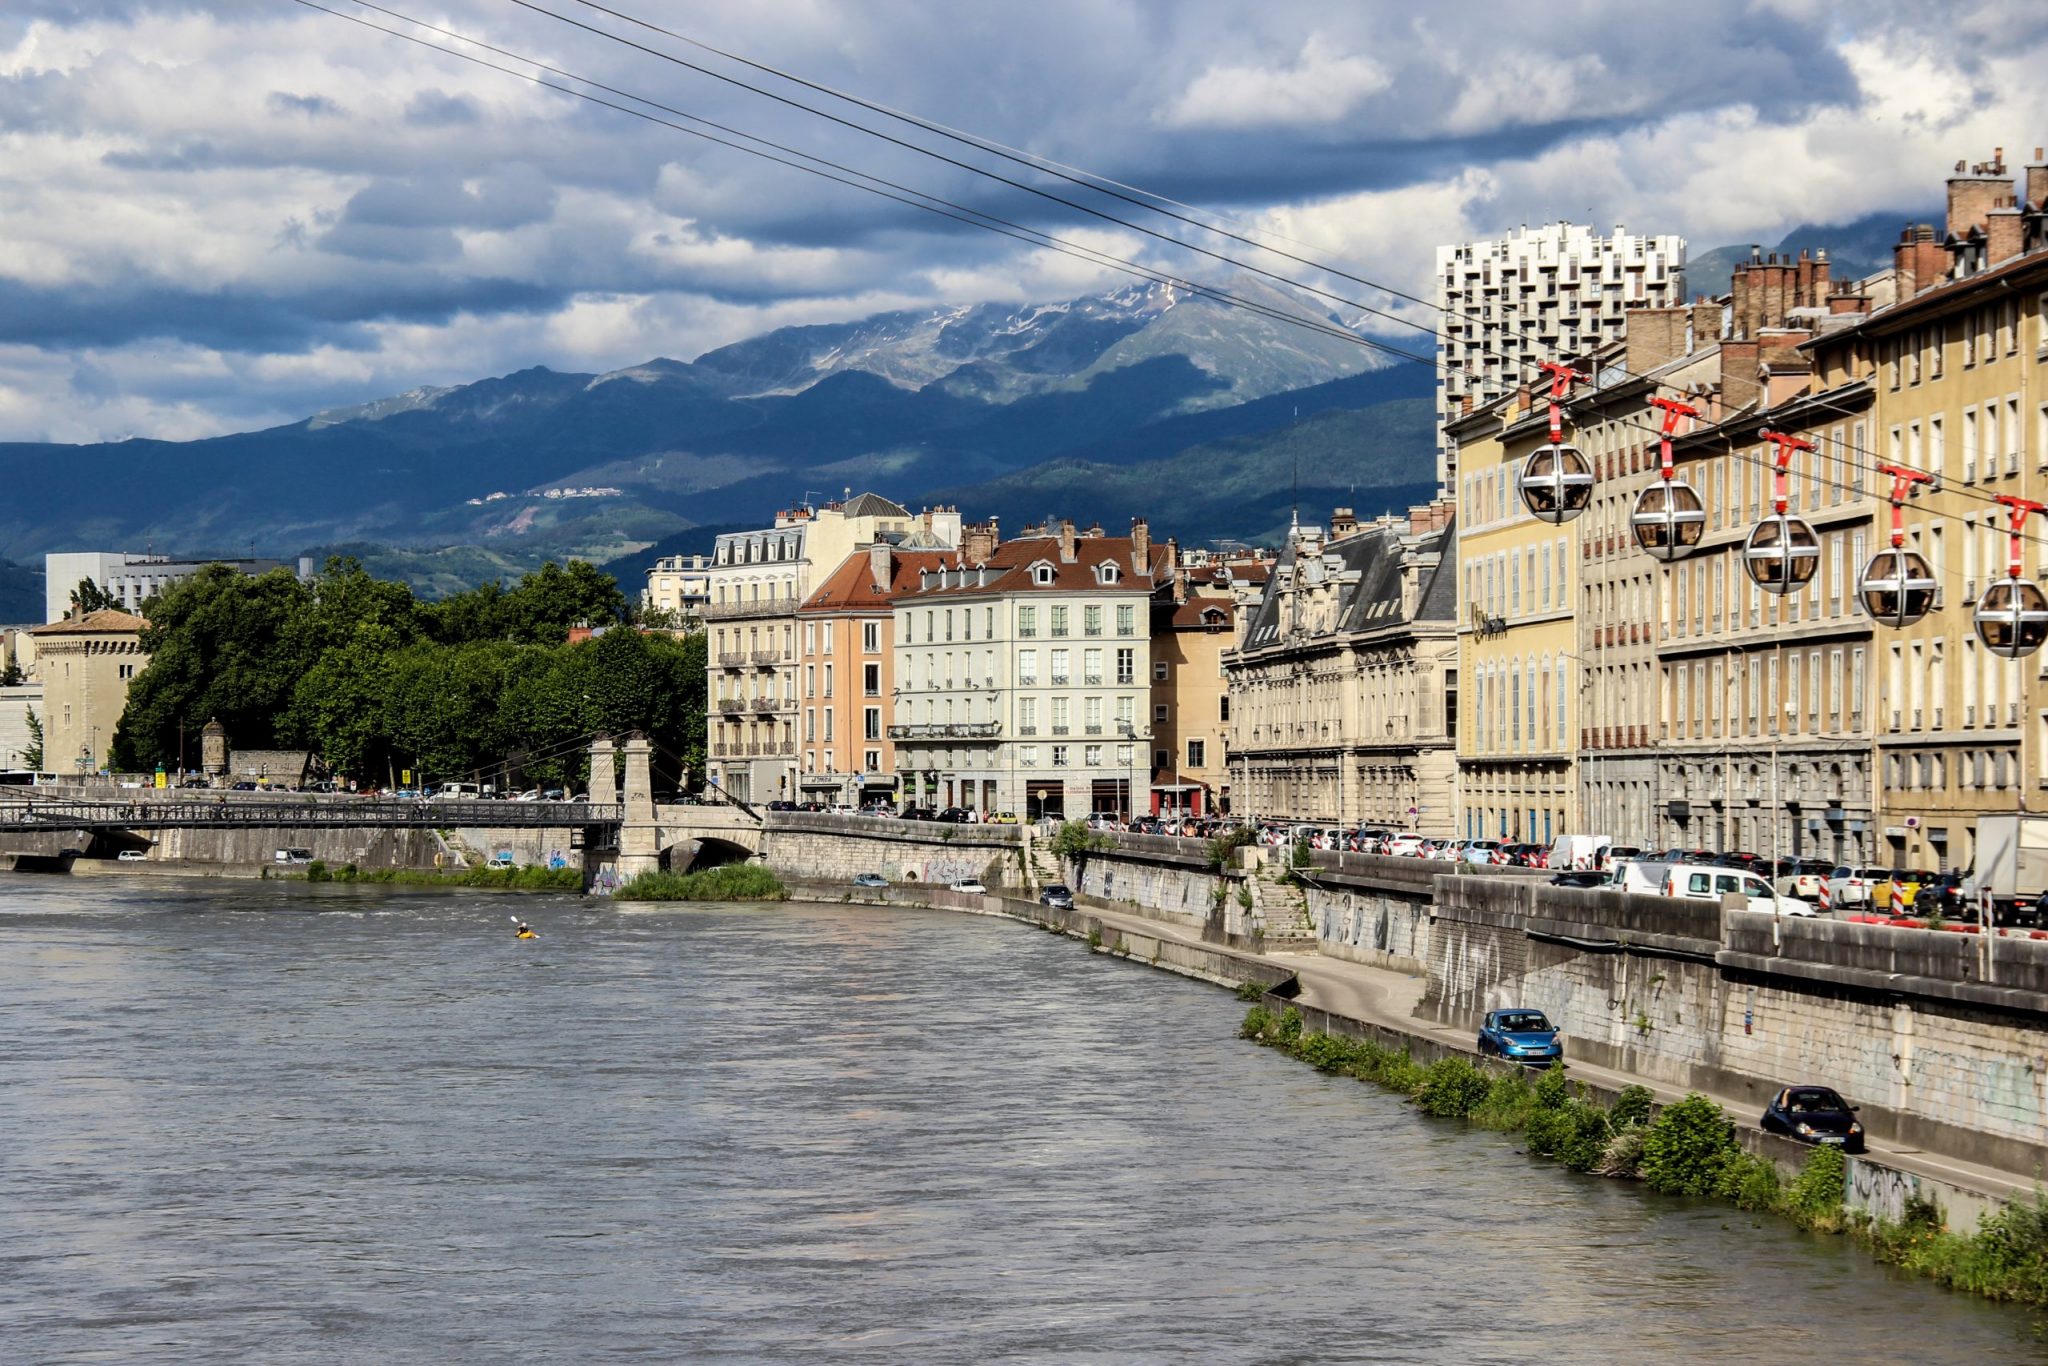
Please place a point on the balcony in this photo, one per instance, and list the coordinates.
(1092, 680)
(1091, 730)
(729, 705)
(947, 730)
(766, 607)
(1060, 730)
(766, 704)
(732, 659)
(1027, 730)
(768, 657)
(1059, 680)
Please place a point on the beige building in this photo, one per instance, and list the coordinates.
(86, 666)
(1343, 694)
(680, 584)
(1193, 628)
(1024, 672)
(755, 583)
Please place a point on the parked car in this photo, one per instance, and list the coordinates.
(1617, 852)
(1685, 856)
(1482, 851)
(1849, 884)
(918, 813)
(1579, 877)
(1814, 1114)
(1405, 846)
(972, 885)
(1519, 1035)
(1056, 895)
(1003, 818)
(870, 880)
(952, 815)
(841, 809)
(1909, 882)
(1801, 877)
(1695, 882)
(777, 805)
(1743, 859)
(130, 856)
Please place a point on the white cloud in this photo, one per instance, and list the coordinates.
(1319, 86)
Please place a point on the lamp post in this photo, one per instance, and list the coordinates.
(1778, 806)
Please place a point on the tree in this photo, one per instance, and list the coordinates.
(32, 757)
(90, 597)
(538, 611)
(12, 676)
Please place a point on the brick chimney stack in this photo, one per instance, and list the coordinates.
(1706, 323)
(1141, 543)
(2004, 233)
(1972, 195)
(1918, 260)
(1066, 541)
(978, 542)
(1655, 336)
(2037, 180)
(1342, 523)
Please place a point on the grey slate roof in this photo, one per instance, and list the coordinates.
(874, 505)
(1371, 598)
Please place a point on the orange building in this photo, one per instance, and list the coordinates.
(845, 678)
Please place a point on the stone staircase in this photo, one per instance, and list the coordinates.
(1281, 911)
(1040, 867)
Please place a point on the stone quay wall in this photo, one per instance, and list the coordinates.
(839, 848)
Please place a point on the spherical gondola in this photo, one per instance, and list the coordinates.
(1556, 483)
(1782, 554)
(1668, 520)
(1897, 587)
(2012, 617)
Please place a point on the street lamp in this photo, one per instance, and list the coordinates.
(1777, 806)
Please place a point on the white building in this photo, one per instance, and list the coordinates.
(680, 584)
(754, 584)
(134, 579)
(1538, 294)
(1023, 675)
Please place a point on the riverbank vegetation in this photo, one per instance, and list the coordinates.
(733, 882)
(1687, 1148)
(376, 682)
(528, 879)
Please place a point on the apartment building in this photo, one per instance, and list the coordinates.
(1517, 639)
(847, 675)
(132, 580)
(679, 586)
(1193, 627)
(1025, 671)
(755, 582)
(1955, 368)
(1343, 694)
(1510, 303)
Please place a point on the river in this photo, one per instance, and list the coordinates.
(247, 1122)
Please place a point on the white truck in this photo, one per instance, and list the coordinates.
(1579, 853)
(1643, 876)
(2012, 862)
(1708, 882)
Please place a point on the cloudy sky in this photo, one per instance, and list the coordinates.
(221, 216)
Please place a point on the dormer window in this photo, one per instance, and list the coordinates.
(1041, 574)
(1107, 572)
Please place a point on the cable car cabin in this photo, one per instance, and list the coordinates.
(1782, 553)
(1556, 483)
(1897, 587)
(2012, 617)
(1669, 520)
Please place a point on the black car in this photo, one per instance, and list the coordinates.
(1580, 877)
(1814, 1114)
(781, 806)
(918, 813)
(1056, 895)
(952, 815)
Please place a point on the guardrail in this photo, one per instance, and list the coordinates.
(300, 813)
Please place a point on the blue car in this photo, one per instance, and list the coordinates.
(1520, 1036)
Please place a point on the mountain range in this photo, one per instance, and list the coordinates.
(1214, 422)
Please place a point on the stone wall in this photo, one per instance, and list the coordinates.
(1367, 924)
(901, 851)
(366, 848)
(1182, 891)
(1689, 994)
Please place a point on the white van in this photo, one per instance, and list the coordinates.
(1702, 882)
(458, 792)
(1579, 853)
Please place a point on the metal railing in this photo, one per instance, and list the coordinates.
(947, 730)
(359, 812)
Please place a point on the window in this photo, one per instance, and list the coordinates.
(810, 680)
(1027, 756)
(1161, 759)
(1126, 666)
(1027, 668)
(1126, 710)
(871, 760)
(1059, 755)
(1041, 574)
(871, 723)
(1091, 756)
(1059, 621)
(1091, 621)
(1092, 715)
(1159, 671)
(1059, 668)
(1059, 716)
(828, 723)
(1198, 753)
(1091, 668)
(1224, 706)
(930, 619)
(1123, 756)
(871, 680)
(1126, 620)
(949, 623)
(1027, 621)
(871, 637)
(828, 680)
(1159, 714)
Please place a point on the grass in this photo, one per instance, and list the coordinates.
(733, 882)
(1689, 1148)
(531, 878)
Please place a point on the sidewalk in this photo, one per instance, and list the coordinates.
(1386, 997)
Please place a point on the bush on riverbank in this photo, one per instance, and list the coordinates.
(733, 882)
(1689, 1148)
(528, 879)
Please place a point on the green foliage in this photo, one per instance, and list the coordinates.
(1095, 938)
(1074, 842)
(1552, 1090)
(32, 757)
(90, 597)
(316, 871)
(1289, 1029)
(732, 882)
(1750, 1182)
(1815, 1196)
(1624, 1156)
(12, 676)
(1452, 1089)
(1227, 844)
(1632, 1106)
(1251, 991)
(354, 668)
(1508, 1104)
(1687, 1147)
(1299, 858)
(1258, 1021)
(530, 878)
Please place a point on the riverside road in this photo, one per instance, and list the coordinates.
(293, 1122)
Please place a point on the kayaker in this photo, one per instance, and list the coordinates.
(524, 931)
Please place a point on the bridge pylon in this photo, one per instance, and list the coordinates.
(639, 831)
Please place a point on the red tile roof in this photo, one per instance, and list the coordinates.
(107, 620)
(851, 587)
(1011, 565)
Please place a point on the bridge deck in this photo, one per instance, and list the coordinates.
(344, 812)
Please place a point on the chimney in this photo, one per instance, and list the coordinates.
(879, 566)
(1342, 523)
(1848, 301)
(2037, 181)
(1066, 541)
(979, 541)
(1141, 543)
(1739, 376)
(1654, 336)
(1972, 196)
(1172, 556)
(1419, 518)
(2004, 234)
(1706, 323)
(1918, 260)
